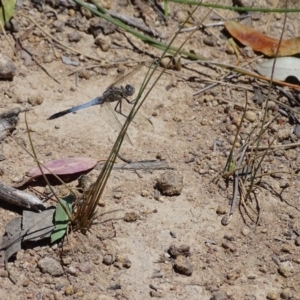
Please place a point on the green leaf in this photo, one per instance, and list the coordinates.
(61, 219)
(7, 10)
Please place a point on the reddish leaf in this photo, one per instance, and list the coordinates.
(65, 166)
(260, 42)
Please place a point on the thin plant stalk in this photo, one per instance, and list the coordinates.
(238, 8)
(41, 170)
(86, 212)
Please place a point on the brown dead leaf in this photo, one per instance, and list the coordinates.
(262, 43)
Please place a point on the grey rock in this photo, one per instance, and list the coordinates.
(50, 266)
(286, 269)
(170, 183)
(74, 36)
(7, 67)
(108, 259)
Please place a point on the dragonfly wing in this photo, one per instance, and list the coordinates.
(114, 120)
(119, 79)
(141, 120)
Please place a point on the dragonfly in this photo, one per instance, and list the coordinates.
(111, 94)
(114, 93)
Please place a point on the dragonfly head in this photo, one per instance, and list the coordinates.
(129, 90)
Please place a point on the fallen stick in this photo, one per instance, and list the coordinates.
(140, 165)
(20, 198)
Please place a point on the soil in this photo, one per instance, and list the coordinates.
(130, 258)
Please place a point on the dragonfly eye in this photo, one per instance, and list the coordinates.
(129, 90)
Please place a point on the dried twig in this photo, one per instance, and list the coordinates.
(20, 198)
(140, 165)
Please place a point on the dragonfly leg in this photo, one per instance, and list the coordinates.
(119, 111)
(132, 101)
(128, 101)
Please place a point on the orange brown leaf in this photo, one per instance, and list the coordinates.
(262, 43)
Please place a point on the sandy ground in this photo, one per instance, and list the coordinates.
(239, 261)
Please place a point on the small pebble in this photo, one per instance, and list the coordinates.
(236, 121)
(183, 265)
(108, 259)
(12, 25)
(233, 276)
(74, 36)
(66, 260)
(35, 100)
(131, 217)
(18, 179)
(263, 269)
(271, 296)
(286, 269)
(59, 25)
(86, 12)
(156, 294)
(58, 296)
(175, 251)
(26, 282)
(210, 41)
(286, 294)
(214, 103)
(48, 58)
(219, 295)
(231, 139)
(104, 42)
(245, 231)
(73, 271)
(170, 183)
(3, 273)
(271, 105)
(85, 267)
(85, 74)
(229, 245)
(287, 248)
(117, 195)
(225, 220)
(166, 62)
(250, 116)
(85, 182)
(177, 119)
(80, 294)
(283, 134)
(181, 16)
(71, 12)
(297, 241)
(124, 260)
(145, 193)
(69, 290)
(248, 52)
(7, 67)
(231, 127)
(221, 210)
